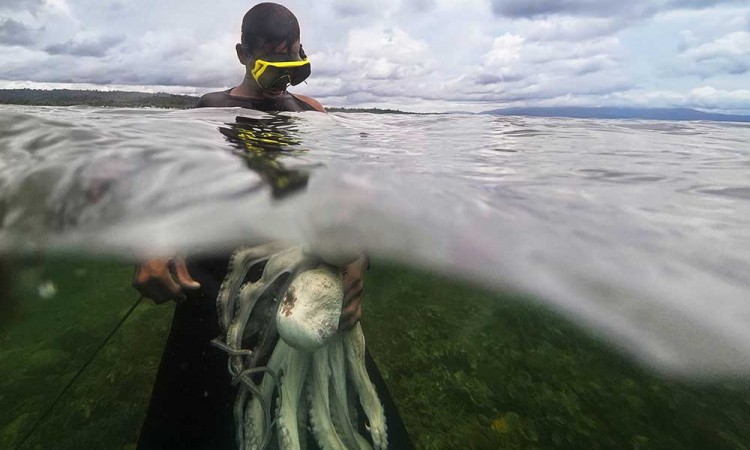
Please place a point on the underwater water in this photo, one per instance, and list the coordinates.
(536, 282)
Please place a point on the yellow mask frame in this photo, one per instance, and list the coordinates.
(273, 73)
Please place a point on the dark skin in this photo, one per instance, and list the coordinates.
(165, 279)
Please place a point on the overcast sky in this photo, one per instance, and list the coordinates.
(419, 55)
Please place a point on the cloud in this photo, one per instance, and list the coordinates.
(511, 70)
(570, 29)
(155, 58)
(16, 5)
(703, 97)
(387, 54)
(729, 54)
(352, 8)
(60, 5)
(13, 32)
(598, 8)
(516, 66)
(711, 98)
(96, 46)
(419, 6)
(544, 8)
(506, 50)
(700, 4)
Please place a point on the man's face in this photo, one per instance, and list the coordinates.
(279, 53)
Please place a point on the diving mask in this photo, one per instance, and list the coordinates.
(279, 74)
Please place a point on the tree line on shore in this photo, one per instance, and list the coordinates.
(125, 99)
(71, 97)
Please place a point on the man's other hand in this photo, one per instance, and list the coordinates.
(163, 280)
(354, 290)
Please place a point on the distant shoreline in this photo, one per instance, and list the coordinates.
(117, 99)
(128, 99)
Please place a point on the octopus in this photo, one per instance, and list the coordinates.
(279, 306)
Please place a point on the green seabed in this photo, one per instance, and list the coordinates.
(469, 370)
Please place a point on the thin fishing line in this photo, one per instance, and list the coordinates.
(80, 371)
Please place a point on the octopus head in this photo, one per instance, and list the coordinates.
(308, 316)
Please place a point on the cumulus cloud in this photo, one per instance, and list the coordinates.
(96, 46)
(387, 54)
(347, 8)
(506, 50)
(514, 66)
(569, 28)
(603, 8)
(700, 4)
(703, 97)
(711, 98)
(13, 32)
(155, 58)
(598, 8)
(15, 5)
(729, 54)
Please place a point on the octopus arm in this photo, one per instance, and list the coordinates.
(239, 264)
(289, 261)
(255, 423)
(303, 412)
(294, 371)
(239, 412)
(320, 412)
(354, 345)
(340, 413)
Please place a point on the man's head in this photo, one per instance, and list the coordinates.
(270, 33)
(268, 26)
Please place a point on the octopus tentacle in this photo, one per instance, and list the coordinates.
(342, 418)
(308, 386)
(247, 297)
(354, 345)
(239, 264)
(257, 421)
(295, 371)
(289, 261)
(239, 412)
(320, 412)
(303, 412)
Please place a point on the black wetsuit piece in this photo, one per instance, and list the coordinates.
(192, 400)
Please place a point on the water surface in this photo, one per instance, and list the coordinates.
(636, 230)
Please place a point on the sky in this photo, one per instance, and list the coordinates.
(416, 55)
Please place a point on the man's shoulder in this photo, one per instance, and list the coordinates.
(212, 99)
(310, 101)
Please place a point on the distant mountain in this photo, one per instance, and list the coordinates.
(72, 97)
(577, 112)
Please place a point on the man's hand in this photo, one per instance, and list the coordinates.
(162, 280)
(353, 293)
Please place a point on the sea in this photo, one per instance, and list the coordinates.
(599, 266)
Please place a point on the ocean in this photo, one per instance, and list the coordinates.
(535, 282)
